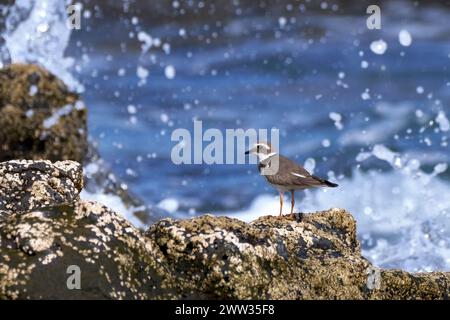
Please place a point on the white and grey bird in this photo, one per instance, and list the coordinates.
(284, 174)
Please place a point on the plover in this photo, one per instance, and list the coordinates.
(284, 174)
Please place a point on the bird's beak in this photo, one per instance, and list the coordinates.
(247, 152)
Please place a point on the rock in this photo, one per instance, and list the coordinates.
(39, 117)
(45, 229)
(39, 250)
(316, 258)
(50, 236)
(29, 185)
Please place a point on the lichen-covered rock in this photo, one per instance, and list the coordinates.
(316, 258)
(39, 250)
(29, 185)
(39, 117)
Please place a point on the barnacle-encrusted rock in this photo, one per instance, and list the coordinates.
(40, 251)
(39, 117)
(48, 236)
(28, 185)
(206, 257)
(271, 258)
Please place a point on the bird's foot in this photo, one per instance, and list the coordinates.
(286, 216)
(295, 216)
(292, 216)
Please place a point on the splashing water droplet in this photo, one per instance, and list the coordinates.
(404, 37)
(169, 72)
(378, 47)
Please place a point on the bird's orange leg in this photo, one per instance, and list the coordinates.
(292, 201)
(281, 204)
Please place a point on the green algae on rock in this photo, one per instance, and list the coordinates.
(39, 117)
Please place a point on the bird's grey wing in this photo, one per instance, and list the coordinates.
(292, 174)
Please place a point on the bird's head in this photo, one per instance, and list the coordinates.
(262, 150)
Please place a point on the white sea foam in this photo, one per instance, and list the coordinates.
(42, 37)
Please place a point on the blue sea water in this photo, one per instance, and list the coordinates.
(374, 122)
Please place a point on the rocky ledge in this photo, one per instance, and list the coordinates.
(47, 232)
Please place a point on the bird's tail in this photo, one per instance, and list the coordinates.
(326, 182)
(330, 184)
